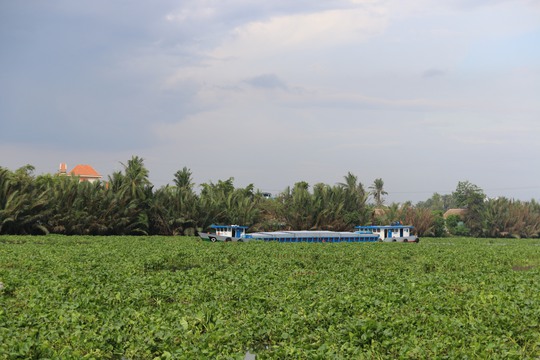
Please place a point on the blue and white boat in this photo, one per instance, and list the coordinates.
(396, 232)
(225, 233)
(238, 233)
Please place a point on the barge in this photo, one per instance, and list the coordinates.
(237, 233)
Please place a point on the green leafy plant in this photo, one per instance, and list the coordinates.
(146, 297)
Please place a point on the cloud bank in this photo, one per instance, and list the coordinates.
(420, 93)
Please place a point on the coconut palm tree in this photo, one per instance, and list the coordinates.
(377, 190)
(182, 179)
(297, 210)
(355, 209)
(132, 195)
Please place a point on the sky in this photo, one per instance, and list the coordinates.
(420, 93)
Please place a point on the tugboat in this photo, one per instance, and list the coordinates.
(396, 232)
(225, 233)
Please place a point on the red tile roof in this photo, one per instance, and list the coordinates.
(85, 171)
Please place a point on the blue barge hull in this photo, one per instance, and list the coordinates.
(313, 236)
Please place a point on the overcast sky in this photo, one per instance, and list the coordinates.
(420, 93)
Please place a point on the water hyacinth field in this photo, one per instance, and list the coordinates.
(181, 298)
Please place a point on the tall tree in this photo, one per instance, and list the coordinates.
(377, 190)
(298, 206)
(438, 202)
(356, 211)
(136, 177)
(182, 179)
(471, 197)
(133, 195)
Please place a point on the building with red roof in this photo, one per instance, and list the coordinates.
(82, 171)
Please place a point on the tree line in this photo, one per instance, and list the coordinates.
(128, 204)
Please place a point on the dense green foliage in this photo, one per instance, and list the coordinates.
(128, 204)
(144, 297)
(484, 217)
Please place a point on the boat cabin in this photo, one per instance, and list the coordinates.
(232, 231)
(394, 231)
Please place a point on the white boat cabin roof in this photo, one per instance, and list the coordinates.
(377, 227)
(230, 227)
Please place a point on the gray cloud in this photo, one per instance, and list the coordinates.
(267, 81)
(430, 73)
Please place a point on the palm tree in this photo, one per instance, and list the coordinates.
(136, 177)
(132, 196)
(355, 210)
(377, 190)
(174, 209)
(182, 179)
(298, 204)
(23, 207)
